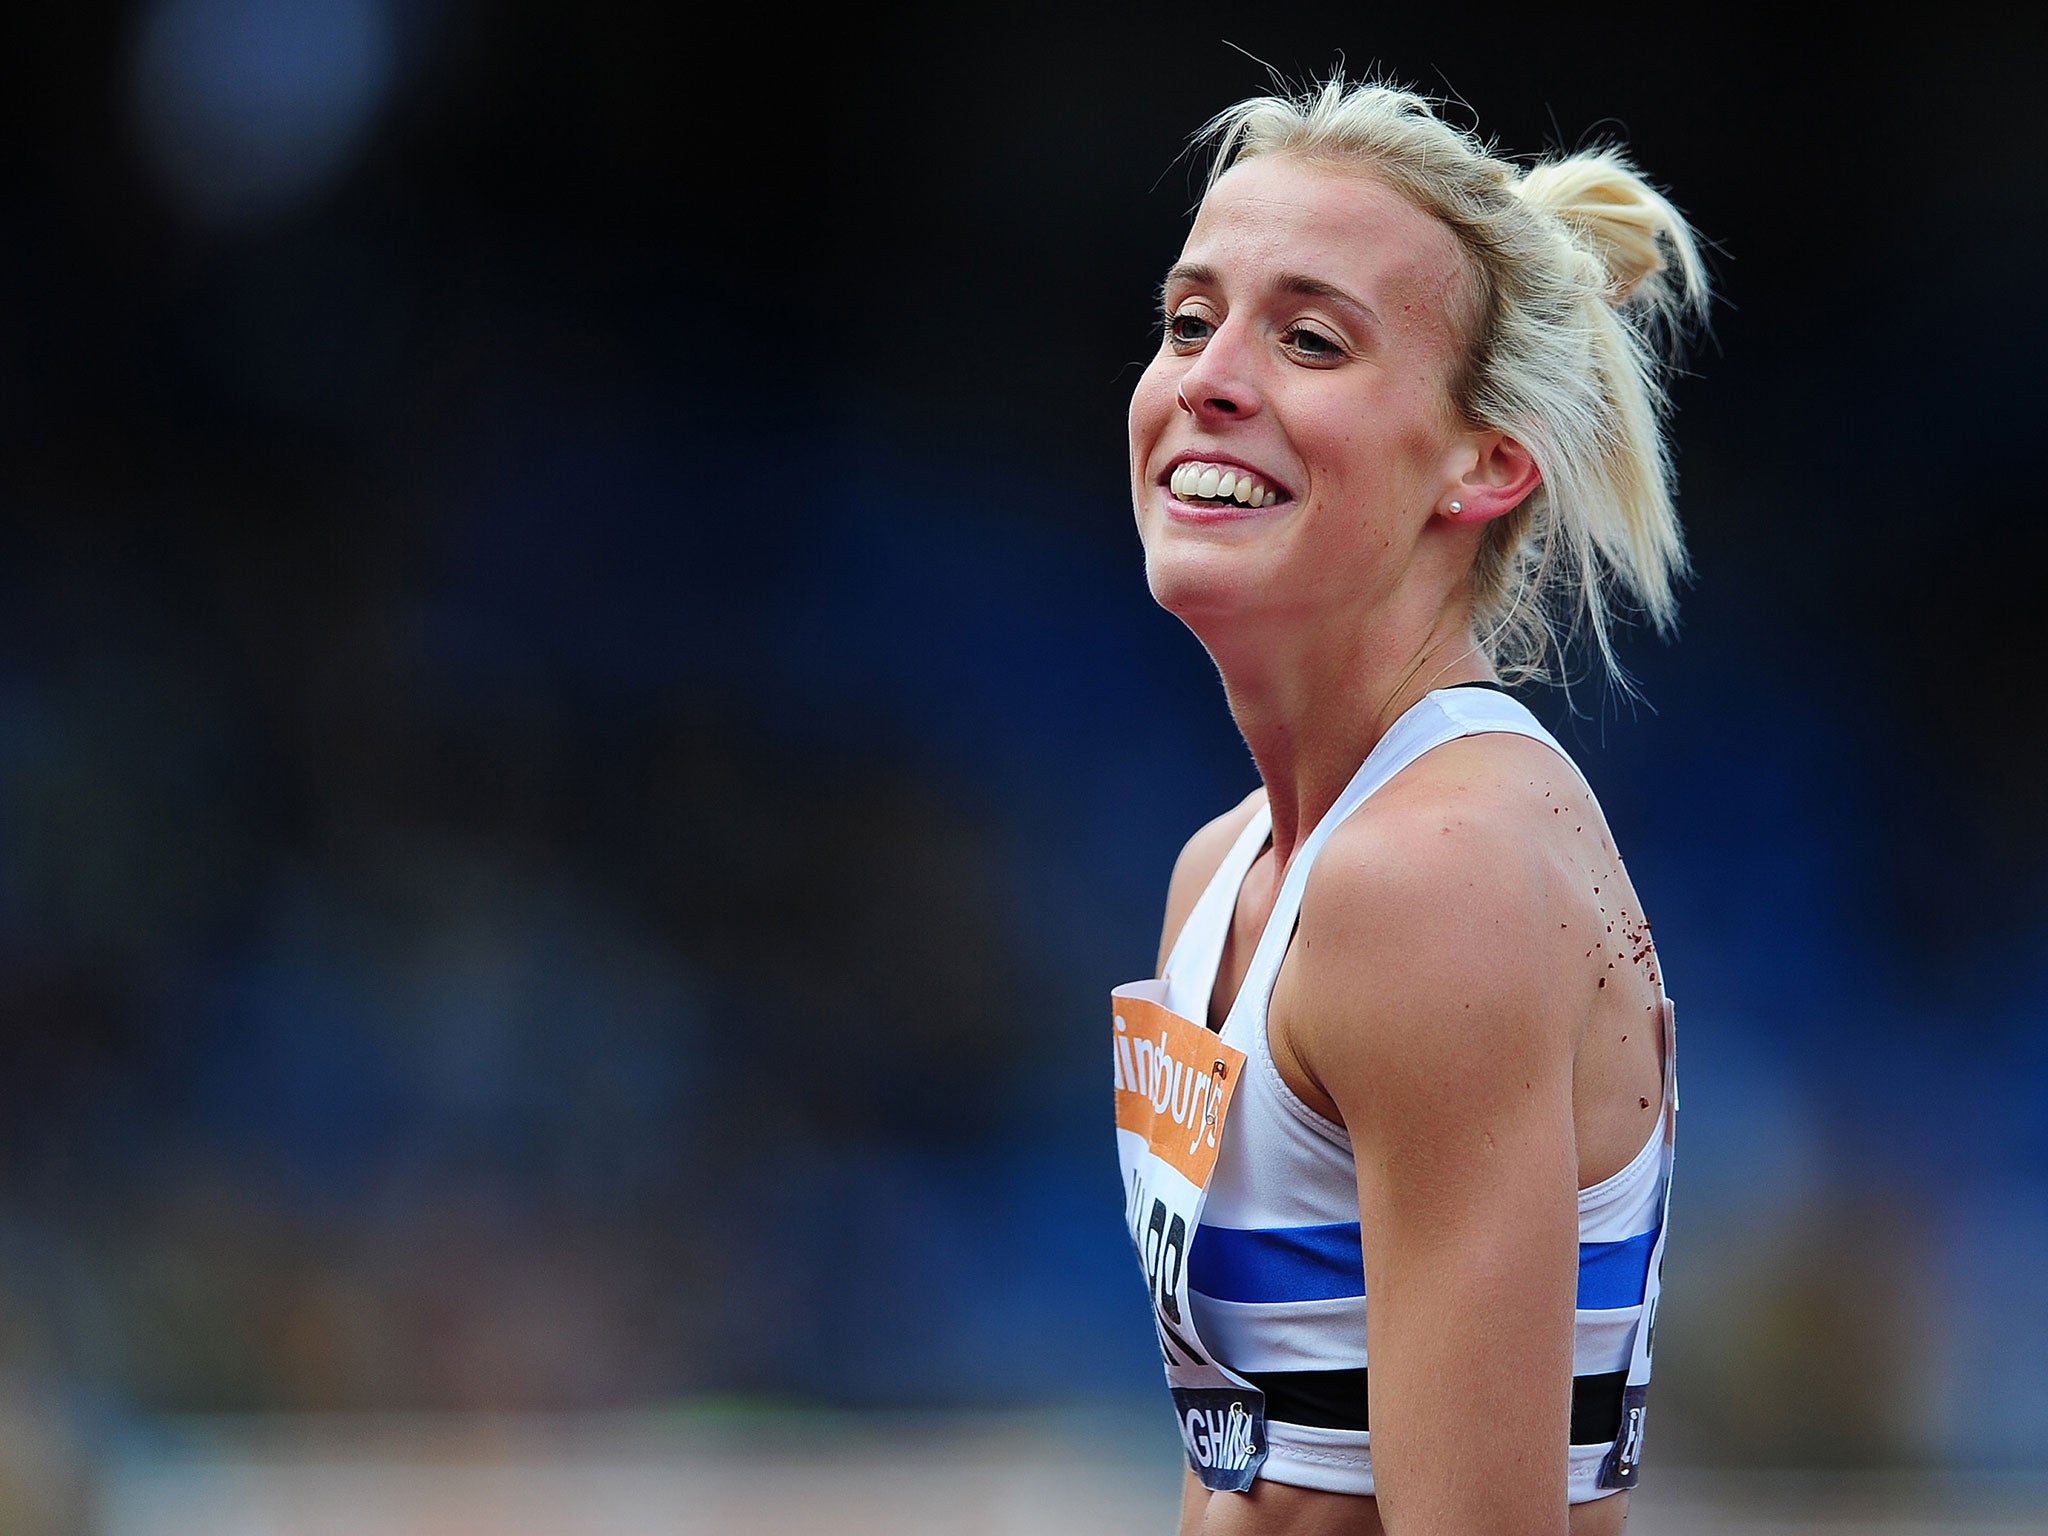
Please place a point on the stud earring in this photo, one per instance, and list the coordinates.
(1457, 506)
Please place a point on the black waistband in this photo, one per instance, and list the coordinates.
(1337, 1399)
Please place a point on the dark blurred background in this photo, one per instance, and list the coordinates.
(582, 735)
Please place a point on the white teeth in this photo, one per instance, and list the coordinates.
(1213, 482)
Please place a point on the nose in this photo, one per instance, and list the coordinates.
(1217, 385)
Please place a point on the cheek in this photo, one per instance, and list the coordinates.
(1384, 441)
(1152, 407)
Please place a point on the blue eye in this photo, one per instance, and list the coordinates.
(1186, 330)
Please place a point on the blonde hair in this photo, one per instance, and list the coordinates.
(1584, 277)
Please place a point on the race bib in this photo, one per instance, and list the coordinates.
(1174, 1081)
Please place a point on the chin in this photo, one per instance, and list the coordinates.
(1197, 583)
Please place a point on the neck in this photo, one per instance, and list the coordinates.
(1312, 707)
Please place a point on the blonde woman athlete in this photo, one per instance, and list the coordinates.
(1396, 1115)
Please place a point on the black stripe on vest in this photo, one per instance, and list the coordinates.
(1336, 1400)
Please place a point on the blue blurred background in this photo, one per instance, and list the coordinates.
(582, 736)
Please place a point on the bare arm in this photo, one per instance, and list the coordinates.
(1425, 1002)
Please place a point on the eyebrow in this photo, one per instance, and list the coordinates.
(1197, 275)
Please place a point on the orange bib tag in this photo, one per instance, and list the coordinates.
(1174, 1080)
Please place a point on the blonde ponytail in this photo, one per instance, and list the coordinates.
(1617, 215)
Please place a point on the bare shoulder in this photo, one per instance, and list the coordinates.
(1198, 863)
(1473, 840)
(1453, 901)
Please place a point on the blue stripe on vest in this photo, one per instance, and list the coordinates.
(1613, 1275)
(1269, 1264)
(1277, 1263)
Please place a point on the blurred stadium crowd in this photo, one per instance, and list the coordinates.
(581, 735)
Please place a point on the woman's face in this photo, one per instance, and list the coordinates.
(1293, 437)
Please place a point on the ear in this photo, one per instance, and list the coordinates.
(1495, 475)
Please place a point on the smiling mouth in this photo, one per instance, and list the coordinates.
(1221, 485)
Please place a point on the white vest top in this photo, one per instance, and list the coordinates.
(1275, 1270)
